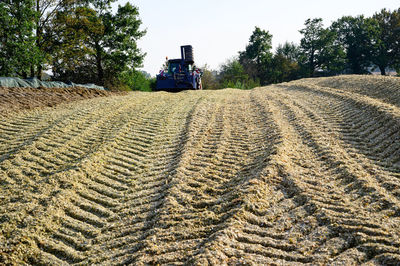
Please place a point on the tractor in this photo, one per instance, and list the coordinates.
(180, 74)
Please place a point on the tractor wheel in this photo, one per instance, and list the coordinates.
(199, 86)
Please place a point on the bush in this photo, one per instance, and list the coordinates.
(137, 81)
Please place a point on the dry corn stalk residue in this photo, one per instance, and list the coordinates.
(295, 173)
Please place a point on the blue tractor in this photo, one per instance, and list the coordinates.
(180, 74)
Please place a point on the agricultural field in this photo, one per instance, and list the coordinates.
(306, 172)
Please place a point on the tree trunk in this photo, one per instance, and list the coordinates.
(38, 44)
(383, 70)
(32, 71)
(312, 64)
(100, 71)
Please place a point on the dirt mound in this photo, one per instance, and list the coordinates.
(291, 174)
(15, 99)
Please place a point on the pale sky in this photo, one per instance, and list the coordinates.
(219, 29)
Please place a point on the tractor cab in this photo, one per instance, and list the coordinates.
(175, 66)
(180, 74)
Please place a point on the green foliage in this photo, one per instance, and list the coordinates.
(386, 39)
(283, 69)
(73, 59)
(136, 81)
(119, 47)
(289, 50)
(209, 79)
(319, 50)
(17, 43)
(259, 47)
(356, 35)
(233, 75)
(257, 56)
(85, 42)
(95, 44)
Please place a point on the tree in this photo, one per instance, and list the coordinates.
(319, 51)
(119, 49)
(289, 50)
(233, 75)
(90, 40)
(257, 55)
(136, 80)
(357, 35)
(284, 66)
(209, 79)
(17, 43)
(72, 55)
(386, 51)
(45, 10)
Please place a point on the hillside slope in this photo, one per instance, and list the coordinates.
(301, 172)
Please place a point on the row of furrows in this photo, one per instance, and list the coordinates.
(376, 187)
(258, 235)
(285, 214)
(384, 88)
(210, 201)
(154, 231)
(344, 219)
(246, 237)
(94, 207)
(58, 150)
(55, 146)
(34, 166)
(149, 205)
(377, 138)
(79, 139)
(305, 194)
(43, 187)
(21, 173)
(23, 128)
(185, 213)
(264, 177)
(143, 206)
(239, 153)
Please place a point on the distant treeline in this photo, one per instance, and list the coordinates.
(81, 41)
(350, 45)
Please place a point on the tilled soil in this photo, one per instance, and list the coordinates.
(16, 99)
(296, 173)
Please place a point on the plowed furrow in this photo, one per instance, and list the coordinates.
(366, 184)
(367, 144)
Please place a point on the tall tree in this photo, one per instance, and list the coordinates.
(319, 51)
(283, 69)
(289, 50)
(17, 43)
(45, 10)
(285, 65)
(357, 35)
(73, 58)
(233, 75)
(257, 55)
(118, 48)
(386, 51)
(93, 41)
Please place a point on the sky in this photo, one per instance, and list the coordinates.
(219, 29)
